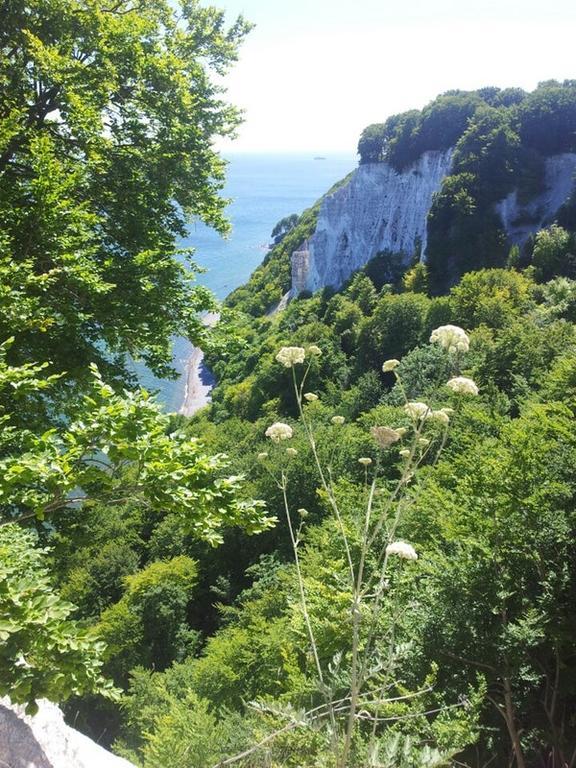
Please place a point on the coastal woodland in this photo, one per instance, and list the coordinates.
(362, 552)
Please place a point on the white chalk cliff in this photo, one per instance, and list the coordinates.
(45, 741)
(380, 209)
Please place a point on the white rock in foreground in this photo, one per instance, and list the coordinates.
(45, 741)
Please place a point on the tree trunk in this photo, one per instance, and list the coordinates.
(511, 723)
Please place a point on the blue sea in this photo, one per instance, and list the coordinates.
(263, 188)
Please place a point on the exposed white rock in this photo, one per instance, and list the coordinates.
(45, 741)
(378, 210)
(522, 220)
(279, 307)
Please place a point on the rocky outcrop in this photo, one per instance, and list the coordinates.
(300, 268)
(45, 741)
(520, 220)
(378, 210)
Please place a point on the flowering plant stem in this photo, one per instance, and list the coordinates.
(366, 571)
(359, 661)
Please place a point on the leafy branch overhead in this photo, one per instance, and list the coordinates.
(109, 112)
(121, 449)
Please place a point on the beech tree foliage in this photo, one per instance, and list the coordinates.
(43, 653)
(121, 450)
(108, 111)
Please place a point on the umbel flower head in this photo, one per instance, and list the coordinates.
(289, 356)
(338, 420)
(385, 436)
(417, 410)
(314, 351)
(279, 431)
(463, 386)
(442, 415)
(365, 461)
(310, 396)
(402, 549)
(390, 365)
(451, 338)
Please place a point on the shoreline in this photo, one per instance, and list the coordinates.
(199, 379)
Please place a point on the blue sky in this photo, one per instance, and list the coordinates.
(314, 73)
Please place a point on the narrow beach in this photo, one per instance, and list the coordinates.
(199, 379)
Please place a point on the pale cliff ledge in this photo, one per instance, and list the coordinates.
(44, 740)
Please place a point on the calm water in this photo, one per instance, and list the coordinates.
(264, 189)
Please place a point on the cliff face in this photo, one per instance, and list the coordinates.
(380, 209)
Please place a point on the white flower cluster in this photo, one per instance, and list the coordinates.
(417, 411)
(463, 386)
(289, 356)
(420, 411)
(442, 415)
(279, 431)
(451, 338)
(402, 549)
(390, 365)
